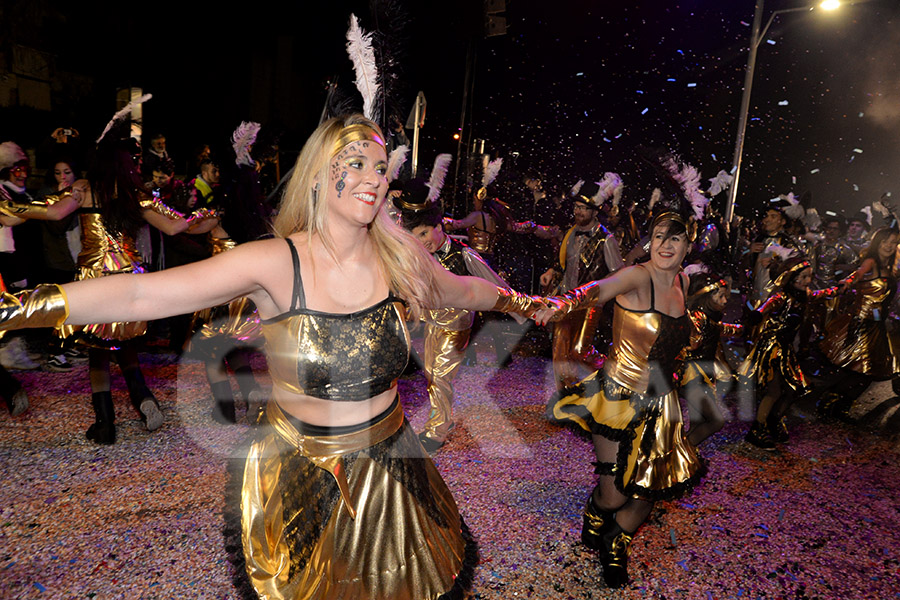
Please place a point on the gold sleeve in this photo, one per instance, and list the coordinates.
(44, 306)
(30, 210)
(511, 301)
(160, 208)
(585, 296)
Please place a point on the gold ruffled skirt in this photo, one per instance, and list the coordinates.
(220, 328)
(104, 335)
(655, 461)
(769, 357)
(363, 514)
(861, 345)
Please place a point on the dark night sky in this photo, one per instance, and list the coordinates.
(572, 88)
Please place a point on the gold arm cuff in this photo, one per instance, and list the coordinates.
(161, 208)
(22, 210)
(201, 213)
(44, 306)
(511, 301)
(585, 296)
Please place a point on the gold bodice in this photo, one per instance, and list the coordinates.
(103, 252)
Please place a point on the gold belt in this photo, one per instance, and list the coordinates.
(327, 451)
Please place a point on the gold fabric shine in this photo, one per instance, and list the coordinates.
(159, 207)
(104, 254)
(634, 334)
(374, 333)
(31, 210)
(481, 241)
(44, 306)
(378, 543)
(444, 352)
(356, 133)
(856, 340)
(237, 320)
(573, 343)
(511, 301)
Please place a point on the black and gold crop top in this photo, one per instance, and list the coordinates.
(341, 357)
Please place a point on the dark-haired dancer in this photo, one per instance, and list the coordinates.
(857, 343)
(772, 367)
(446, 330)
(632, 408)
(704, 360)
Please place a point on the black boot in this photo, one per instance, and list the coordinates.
(103, 431)
(614, 556)
(596, 522)
(223, 402)
(778, 430)
(760, 437)
(143, 399)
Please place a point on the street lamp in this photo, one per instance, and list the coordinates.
(756, 38)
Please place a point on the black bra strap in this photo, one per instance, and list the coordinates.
(298, 298)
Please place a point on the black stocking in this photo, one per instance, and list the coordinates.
(98, 366)
(703, 410)
(630, 512)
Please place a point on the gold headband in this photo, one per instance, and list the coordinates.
(356, 133)
(690, 226)
(709, 288)
(782, 279)
(586, 200)
(413, 206)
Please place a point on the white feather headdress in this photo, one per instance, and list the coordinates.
(121, 114)
(396, 161)
(794, 210)
(654, 197)
(491, 170)
(780, 251)
(721, 182)
(438, 173)
(688, 178)
(241, 140)
(611, 186)
(867, 210)
(10, 154)
(576, 188)
(362, 55)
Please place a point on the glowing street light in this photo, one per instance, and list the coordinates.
(757, 35)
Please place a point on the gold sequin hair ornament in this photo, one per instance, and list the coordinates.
(689, 224)
(358, 132)
(709, 288)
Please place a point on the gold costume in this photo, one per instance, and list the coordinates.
(856, 337)
(773, 349)
(363, 514)
(704, 358)
(102, 254)
(635, 404)
(344, 512)
(236, 321)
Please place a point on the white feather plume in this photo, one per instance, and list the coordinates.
(362, 55)
(694, 268)
(812, 220)
(868, 212)
(654, 197)
(438, 173)
(491, 170)
(794, 210)
(123, 113)
(780, 251)
(242, 139)
(610, 187)
(882, 209)
(721, 182)
(576, 188)
(688, 179)
(396, 161)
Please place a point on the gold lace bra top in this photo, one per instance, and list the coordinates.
(646, 345)
(340, 357)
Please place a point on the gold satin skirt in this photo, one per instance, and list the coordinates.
(769, 358)
(861, 345)
(655, 461)
(358, 515)
(103, 335)
(221, 328)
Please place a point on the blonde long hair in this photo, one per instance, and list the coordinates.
(405, 263)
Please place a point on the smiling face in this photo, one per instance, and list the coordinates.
(584, 215)
(667, 251)
(773, 222)
(887, 248)
(63, 174)
(357, 182)
(856, 229)
(431, 236)
(719, 299)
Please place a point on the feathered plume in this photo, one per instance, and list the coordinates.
(812, 220)
(389, 41)
(694, 268)
(883, 209)
(438, 173)
(241, 140)
(491, 170)
(867, 210)
(794, 210)
(721, 182)
(123, 113)
(359, 48)
(396, 161)
(688, 179)
(780, 251)
(654, 197)
(576, 188)
(610, 187)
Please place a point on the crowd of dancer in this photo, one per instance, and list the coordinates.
(636, 291)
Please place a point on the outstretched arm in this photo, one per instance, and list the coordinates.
(594, 293)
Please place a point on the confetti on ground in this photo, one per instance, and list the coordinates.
(143, 518)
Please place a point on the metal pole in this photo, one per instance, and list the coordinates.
(415, 140)
(745, 110)
(463, 131)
